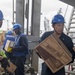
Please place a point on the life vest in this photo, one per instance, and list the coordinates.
(17, 43)
(2, 53)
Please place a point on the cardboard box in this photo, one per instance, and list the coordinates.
(12, 68)
(54, 53)
(9, 45)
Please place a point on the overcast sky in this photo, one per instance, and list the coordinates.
(52, 5)
(48, 7)
(6, 7)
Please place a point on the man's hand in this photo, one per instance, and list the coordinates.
(5, 63)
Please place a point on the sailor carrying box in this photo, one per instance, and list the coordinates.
(54, 53)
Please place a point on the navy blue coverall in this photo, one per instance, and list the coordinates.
(68, 43)
(19, 53)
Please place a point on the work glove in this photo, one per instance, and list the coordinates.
(5, 63)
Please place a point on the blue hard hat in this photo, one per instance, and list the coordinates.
(58, 19)
(9, 32)
(16, 25)
(1, 15)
